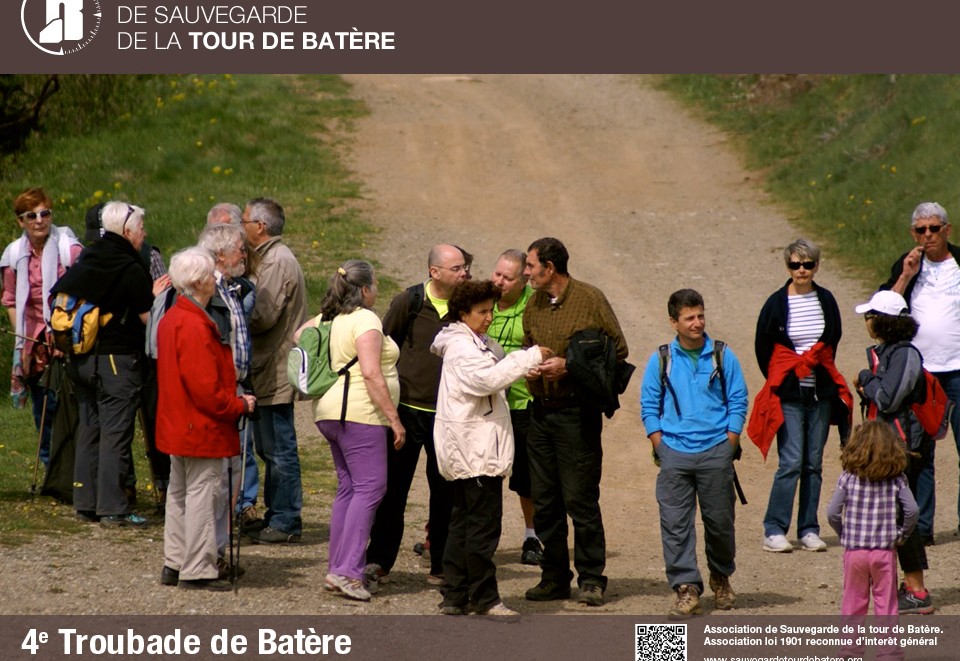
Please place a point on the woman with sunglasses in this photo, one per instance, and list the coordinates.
(796, 341)
(893, 382)
(30, 266)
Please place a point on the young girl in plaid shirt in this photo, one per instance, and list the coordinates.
(863, 512)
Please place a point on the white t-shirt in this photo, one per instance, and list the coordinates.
(935, 305)
(805, 326)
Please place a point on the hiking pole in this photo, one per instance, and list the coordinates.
(43, 421)
(230, 571)
(24, 337)
(141, 416)
(236, 514)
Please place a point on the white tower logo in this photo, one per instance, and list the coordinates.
(66, 23)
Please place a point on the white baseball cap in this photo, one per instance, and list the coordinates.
(884, 302)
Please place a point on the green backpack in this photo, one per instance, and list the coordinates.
(308, 365)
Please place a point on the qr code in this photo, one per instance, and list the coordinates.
(661, 642)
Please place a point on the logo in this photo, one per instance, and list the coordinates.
(60, 27)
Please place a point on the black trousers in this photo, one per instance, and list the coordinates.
(565, 466)
(474, 537)
(387, 532)
(913, 555)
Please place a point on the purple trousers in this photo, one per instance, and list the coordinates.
(360, 457)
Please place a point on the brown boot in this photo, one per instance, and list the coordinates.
(722, 592)
(688, 602)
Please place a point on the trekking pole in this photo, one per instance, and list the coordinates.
(235, 522)
(146, 448)
(231, 573)
(43, 421)
(24, 337)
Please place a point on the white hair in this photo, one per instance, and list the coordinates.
(119, 216)
(189, 267)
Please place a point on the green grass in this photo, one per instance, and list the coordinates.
(190, 142)
(850, 155)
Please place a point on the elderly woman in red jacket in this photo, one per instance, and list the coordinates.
(196, 423)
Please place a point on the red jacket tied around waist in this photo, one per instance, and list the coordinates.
(767, 415)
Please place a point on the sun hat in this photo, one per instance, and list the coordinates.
(884, 302)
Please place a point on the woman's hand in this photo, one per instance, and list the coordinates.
(399, 434)
(249, 403)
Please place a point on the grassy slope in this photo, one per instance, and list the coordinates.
(851, 155)
(195, 140)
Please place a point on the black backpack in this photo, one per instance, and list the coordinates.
(598, 377)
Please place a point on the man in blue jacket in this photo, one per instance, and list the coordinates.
(693, 402)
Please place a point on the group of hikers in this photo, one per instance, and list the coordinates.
(491, 378)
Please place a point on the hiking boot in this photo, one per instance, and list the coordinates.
(438, 580)
(452, 609)
(373, 575)
(250, 519)
(688, 602)
(531, 552)
(87, 516)
(911, 603)
(591, 594)
(722, 592)
(547, 590)
(349, 587)
(133, 520)
(777, 544)
(211, 584)
(224, 570)
(269, 535)
(169, 576)
(812, 542)
(500, 612)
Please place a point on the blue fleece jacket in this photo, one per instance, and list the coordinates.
(703, 421)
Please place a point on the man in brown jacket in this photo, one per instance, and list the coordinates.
(280, 309)
(563, 443)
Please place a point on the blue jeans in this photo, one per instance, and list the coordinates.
(800, 442)
(926, 486)
(38, 395)
(276, 441)
(251, 476)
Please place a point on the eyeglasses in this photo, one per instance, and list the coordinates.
(795, 266)
(33, 215)
(456, 269)
(933, 229)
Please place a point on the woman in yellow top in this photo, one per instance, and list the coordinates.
(359, 444)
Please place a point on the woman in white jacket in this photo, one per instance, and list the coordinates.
(474, 444)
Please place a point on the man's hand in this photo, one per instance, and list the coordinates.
(911, 266)
(553, 369)
(655, 439)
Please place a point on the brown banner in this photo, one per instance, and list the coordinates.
(307, 36)
(471, 638)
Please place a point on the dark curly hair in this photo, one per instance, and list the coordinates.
(470, 292)
(892, 328)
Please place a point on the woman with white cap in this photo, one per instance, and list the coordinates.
(888, 387)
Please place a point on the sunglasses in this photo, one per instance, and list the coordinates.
(933, 229)
(795, 266)
(129, 213)
(33, 215)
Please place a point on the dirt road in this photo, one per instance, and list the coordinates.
(647, 200)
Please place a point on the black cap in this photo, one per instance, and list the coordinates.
(94, 222)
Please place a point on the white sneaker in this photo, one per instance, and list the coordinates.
(812, 542)
(350, 587)
(778, 544)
